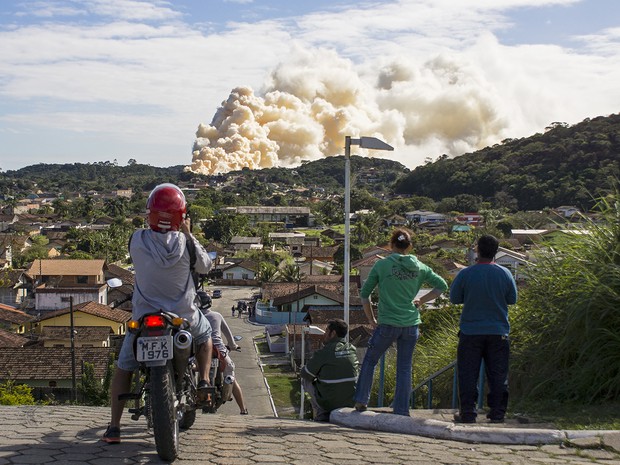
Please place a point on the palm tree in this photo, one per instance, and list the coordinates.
(290, 273)
(267, 273)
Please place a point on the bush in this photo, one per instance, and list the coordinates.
(15, 394)
(566, 328)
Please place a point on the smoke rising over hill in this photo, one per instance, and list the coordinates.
(311, 103)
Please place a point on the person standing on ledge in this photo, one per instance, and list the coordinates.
(485, 290)
(399, 278)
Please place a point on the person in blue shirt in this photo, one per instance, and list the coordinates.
(485, 290)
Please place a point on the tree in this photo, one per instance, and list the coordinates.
(267, 273)
(223, 227)
(290, 273)
(93, 391)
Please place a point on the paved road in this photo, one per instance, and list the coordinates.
(247, 369)
(69, 435)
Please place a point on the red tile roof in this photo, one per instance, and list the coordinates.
(13, 315)
(93, 308)
(9, 339)
(53, 363)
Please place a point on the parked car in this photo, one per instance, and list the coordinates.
(217, 293)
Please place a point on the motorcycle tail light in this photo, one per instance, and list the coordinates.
(154, 321)
(133, 324)
(177, 321)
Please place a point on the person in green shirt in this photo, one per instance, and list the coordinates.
(399, 278)
(329, 376)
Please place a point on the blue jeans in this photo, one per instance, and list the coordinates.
(380, 341)
(495, 351)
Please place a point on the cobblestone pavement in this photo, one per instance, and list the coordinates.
(70, 435)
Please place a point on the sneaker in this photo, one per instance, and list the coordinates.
(323, 418)
(112, 435)
(458, 418)
(360, 407)
(244, 411)
(495, 419)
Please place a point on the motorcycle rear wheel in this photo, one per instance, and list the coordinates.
(164, 414)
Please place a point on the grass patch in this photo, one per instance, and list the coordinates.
(278, 369)
(262, 346)
(572, 416)
(285, 389)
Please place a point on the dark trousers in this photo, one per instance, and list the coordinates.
(495, 351)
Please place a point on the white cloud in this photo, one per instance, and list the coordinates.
(429, 76)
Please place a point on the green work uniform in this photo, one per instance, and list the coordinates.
(334, 370)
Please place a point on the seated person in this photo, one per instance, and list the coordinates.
(329, 376)
(219, 327)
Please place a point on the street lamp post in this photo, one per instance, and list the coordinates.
(365, 143)
(305, 330)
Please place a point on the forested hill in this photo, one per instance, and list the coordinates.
(565, 165)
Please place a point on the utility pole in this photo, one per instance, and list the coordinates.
(73, 383)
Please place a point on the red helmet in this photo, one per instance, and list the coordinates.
(166, 208)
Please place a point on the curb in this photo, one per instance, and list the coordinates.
(438, 429)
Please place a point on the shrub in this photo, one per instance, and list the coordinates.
(15, 394)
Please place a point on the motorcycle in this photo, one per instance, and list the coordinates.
(165, 389)
(221, 387)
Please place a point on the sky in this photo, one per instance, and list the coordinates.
(218, 85)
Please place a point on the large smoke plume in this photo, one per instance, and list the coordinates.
(310, 104)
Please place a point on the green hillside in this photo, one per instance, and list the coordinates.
(565, 165)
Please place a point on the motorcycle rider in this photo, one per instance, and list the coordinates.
(220, 328)
(163, 281)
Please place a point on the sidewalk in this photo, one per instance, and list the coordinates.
(63, 435)
(438, 424)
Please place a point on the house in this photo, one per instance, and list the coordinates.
(290, 216)
(567, 211)
(246, 270)
(394, 221)
(58, 281)
(425, 216)
(240, 243)
(11, 339)
(315, 267)
(474, 219)
(84, 336)
(38, 366)
(325, 254)
(452, 267)
(514, 261)
(364, 265)
(334, 235)
(14, 320)
(120, 297)
(85, 314)
(287, 302)
(7, 220)
(382, 250)
(286, 238)
(528, 236)
(13, 287)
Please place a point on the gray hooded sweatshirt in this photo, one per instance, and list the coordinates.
(163, 278)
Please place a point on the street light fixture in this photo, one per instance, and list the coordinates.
(306, 330)
(365, 143)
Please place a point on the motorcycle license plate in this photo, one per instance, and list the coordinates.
(215, 363)
(154, 348)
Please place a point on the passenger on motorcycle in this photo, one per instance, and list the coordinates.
(220, 328)
(163, 281)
